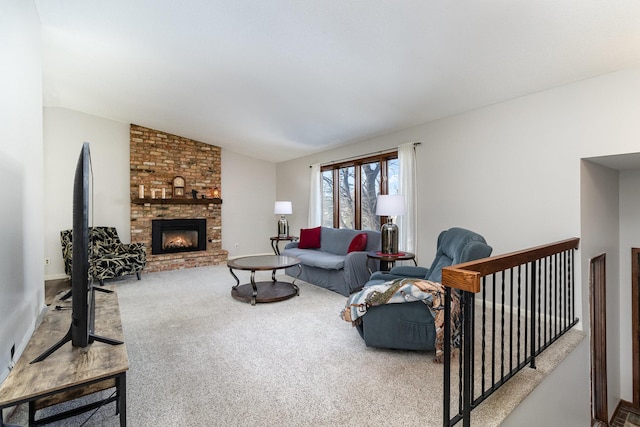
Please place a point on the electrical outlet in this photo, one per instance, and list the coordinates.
(47, 261)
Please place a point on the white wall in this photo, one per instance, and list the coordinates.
(504, 168)
(547, 405)
(248, 193)
(21, 210)
(293, 180)
(600, 199)
(629, 238)
(64, 133)
(511, 172)
(247, 187)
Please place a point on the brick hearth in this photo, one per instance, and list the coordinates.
(156, 158)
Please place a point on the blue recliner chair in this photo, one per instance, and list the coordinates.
(410, 325)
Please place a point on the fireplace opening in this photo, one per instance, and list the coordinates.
(178, 235)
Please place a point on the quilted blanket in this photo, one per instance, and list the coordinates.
(408, 290)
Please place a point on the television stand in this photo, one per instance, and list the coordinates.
(91, 336)
(71, 371)
(70, 292)
(67, 338)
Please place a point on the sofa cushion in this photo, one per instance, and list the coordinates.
(358, 243)
(309, 238)
(296, 251)
(321, 259)
(337, 240)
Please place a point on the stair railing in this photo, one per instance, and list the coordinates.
(525, 304)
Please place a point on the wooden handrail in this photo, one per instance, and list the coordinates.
(466, 276)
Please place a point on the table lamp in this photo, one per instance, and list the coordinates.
(282, 209)
(390, 206)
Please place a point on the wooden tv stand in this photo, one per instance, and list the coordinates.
(70, 372)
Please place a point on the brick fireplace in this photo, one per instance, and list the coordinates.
(178, 235)
(156, 158)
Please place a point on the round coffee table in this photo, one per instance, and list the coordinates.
(268, 291)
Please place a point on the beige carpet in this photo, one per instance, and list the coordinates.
(198, 357)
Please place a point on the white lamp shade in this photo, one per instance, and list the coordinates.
(282, 208)
(390, 205)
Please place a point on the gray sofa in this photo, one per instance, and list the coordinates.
(330, 266)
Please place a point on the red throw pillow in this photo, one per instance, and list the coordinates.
(309, 238)
(359, 243)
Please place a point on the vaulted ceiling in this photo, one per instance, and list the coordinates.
(280, 79)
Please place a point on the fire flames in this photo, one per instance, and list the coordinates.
(177, 242)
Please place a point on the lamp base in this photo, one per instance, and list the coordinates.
(389, 238)
(283, 227)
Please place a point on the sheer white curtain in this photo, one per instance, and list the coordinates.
(315, 197)
(408, 223)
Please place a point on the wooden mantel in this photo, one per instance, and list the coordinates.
(215, 201)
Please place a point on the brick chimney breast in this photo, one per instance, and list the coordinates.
(155, 159)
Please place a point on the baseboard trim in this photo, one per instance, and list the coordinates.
(57, 276)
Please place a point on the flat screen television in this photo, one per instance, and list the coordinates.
(81, 330)
(80, 282)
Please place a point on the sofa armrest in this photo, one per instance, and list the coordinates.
(356, 271)
(140, 251)
(115, 248)
(291, 245)
(136, 247)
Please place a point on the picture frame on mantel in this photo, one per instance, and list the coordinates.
(178, 186)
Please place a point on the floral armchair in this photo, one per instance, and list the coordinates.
(108, 257)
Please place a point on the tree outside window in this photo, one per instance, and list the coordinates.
(350, 190)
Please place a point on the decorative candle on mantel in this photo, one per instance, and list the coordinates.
(164, 194)
(141, 191)
(153, 193)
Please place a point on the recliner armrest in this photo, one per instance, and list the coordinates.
(410, 271)
(384, 276)
(401, 272)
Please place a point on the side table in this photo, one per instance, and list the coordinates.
(389, 260)
(275, 240)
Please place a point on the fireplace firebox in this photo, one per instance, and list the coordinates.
(178, 235)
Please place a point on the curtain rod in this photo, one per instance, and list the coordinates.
(346, 159)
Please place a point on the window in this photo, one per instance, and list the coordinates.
(350, 190)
